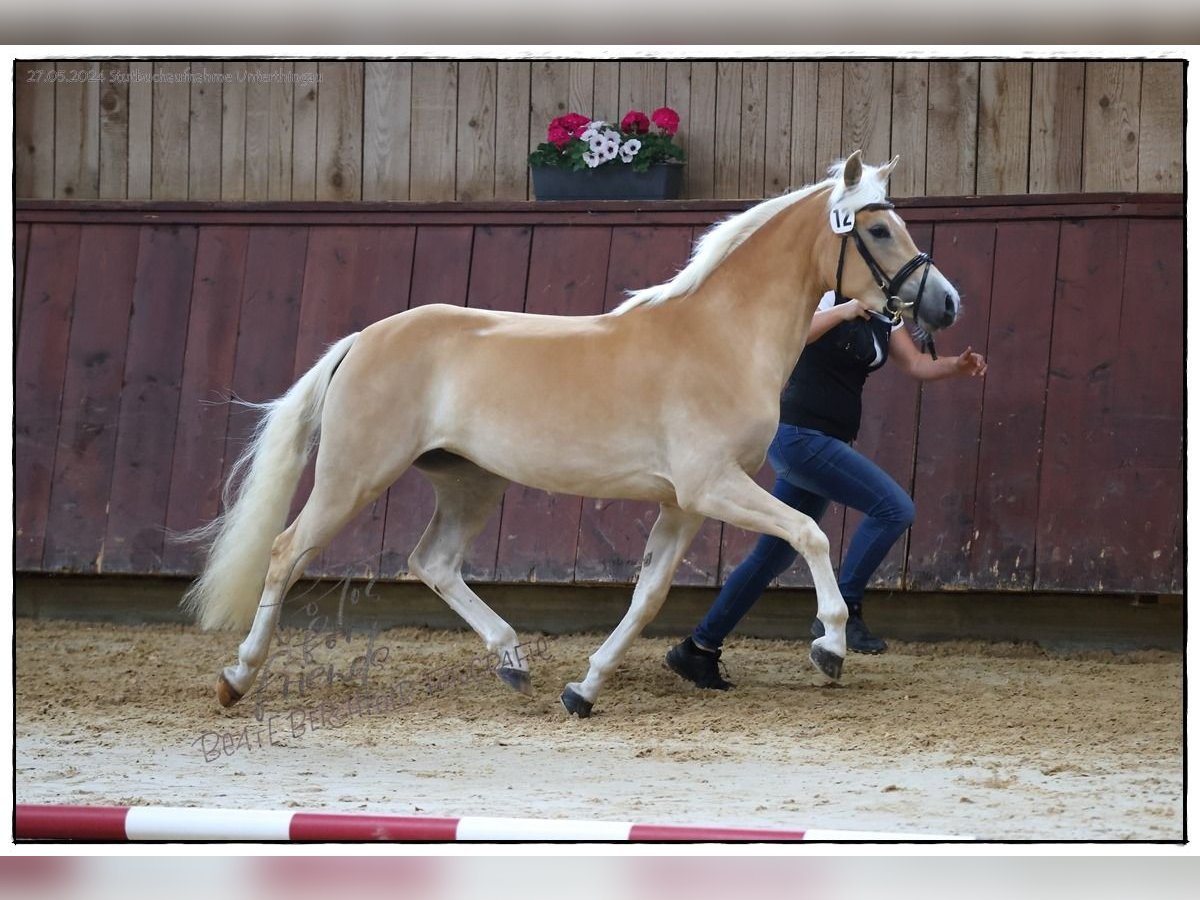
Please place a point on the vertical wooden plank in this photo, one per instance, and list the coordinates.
(513, 128)
(91, 397)
(1076, 494)
(440, 274)
(699, 176)
(194, 496)
(20, 255)
(258, 128)
(888, 437)
(387, 129)
(1004, 110)
(947, 458)
(1056, 128)
(953, 117)
(339, 131)
(383, 273)
(114, 130)
(606, 90)
(549, 93)
(727, 161)
(804, 167)
(867, 110)
(1010, 441)
(39, 371)
(141, 128)
(270, 305)
(233, 131)
(538, 531)
(435, 101)
(77, 131)
(829, 115)
(499, 273)
(145, 441)
(304, 132)
(476, 177)
(679, 98)
(910, 118)
(753, 126)
(204, 133)
(169, 158)
(1160, 144)
(279, 133)
(1111, 116)
(581, 76)
(1148, 413)
(33, 130)
(778, 174)
(613, 533)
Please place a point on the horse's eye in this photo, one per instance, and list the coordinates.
(879, 231)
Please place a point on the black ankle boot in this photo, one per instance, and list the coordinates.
(858, 635)
(698, 666)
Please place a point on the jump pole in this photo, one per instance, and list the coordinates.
(168, 823)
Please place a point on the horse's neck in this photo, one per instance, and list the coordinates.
(765, 294)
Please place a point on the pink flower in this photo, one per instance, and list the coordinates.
(574, 123)
(558, 135)
(666, 119)
(637, 122)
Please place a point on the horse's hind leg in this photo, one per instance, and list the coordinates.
(466, 496)
(337, 495)
(669, 539)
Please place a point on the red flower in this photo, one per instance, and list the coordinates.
(574, 123)
(636, 121)
(666, 119)
(558, 135)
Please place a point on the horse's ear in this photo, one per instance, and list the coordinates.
(852, 170)
(885, 172)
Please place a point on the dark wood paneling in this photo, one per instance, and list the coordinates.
(1014, 400)
(40, 365)
(538, 531)
(83, 464)
(20, 253)
(947, 457)
(137, 511)
(440, 274)
(1080, 502)
(200, 449)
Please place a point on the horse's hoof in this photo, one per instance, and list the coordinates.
(517, 679)
(226, 695)
(574, 704)
(829, 664)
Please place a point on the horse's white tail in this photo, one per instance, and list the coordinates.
(227, 591)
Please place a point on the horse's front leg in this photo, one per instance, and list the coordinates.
(669, 539)
(737, 499)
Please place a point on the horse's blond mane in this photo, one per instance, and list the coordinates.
(723, 238)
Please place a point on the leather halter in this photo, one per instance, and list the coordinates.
(894, 306)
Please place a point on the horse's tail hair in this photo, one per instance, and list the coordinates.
(257, 497)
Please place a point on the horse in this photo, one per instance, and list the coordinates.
(672, 397)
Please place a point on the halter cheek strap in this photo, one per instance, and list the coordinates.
(890, 286)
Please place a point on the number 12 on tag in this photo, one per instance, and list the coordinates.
(841, 219)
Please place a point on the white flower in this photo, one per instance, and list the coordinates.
(589, 134)
(611, 145)
(597, 125)
(597, 142)
(630, 149)
(592, 159)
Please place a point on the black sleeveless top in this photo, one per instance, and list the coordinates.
(824, 391)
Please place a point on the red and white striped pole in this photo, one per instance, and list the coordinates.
(166, 823)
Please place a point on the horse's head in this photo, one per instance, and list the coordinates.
(877, 261)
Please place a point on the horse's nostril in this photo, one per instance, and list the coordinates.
(950, 305)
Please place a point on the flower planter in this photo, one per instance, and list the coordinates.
(611, 181)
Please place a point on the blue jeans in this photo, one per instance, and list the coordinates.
(811, 469)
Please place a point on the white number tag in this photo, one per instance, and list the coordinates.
(841, 219)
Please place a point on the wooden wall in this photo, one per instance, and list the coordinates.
(461, 130)
(1061, 470)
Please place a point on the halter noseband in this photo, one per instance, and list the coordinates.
(894, 306)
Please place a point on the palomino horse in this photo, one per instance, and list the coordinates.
(671, 397)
